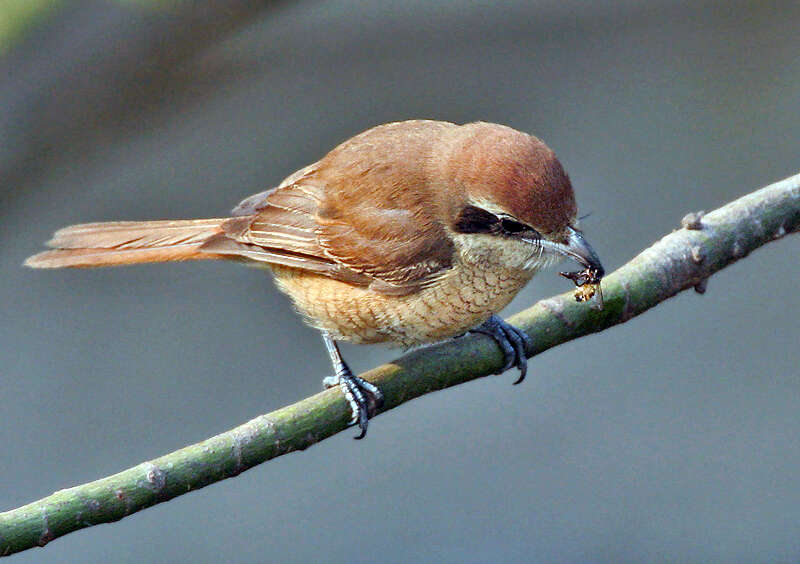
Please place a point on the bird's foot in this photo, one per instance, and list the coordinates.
(365, 399)
(511, 340)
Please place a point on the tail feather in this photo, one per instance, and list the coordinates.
(128, 242)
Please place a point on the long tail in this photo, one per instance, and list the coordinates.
(128, 242)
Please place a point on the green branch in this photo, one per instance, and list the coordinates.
(681, 260)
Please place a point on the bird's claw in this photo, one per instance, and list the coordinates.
(511, 340)
(365, 399)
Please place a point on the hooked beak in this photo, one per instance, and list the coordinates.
(580, 250)
(576, 248)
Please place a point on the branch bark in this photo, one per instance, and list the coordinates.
(681, 260)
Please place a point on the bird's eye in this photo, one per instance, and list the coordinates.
(473, 219)
(511, 226)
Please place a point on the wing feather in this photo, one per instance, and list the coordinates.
(362, 215)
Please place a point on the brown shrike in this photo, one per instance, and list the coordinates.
(408, 233)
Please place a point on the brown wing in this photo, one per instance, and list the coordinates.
(379, 213)
(380, 247)
(361, 215)
(399, 245)
(277, 232)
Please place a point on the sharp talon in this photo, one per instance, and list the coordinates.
(523, 371)
(516, 336)
(363, 422)
(365, 398)
(512, 342)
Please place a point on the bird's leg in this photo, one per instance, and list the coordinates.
(364, 398)
(511, 340)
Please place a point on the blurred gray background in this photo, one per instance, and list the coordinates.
(672, 437)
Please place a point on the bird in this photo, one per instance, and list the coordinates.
(408, 233)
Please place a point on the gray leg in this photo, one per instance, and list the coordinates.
(364, 398)
(511, 340)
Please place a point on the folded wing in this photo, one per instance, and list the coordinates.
(392, 245)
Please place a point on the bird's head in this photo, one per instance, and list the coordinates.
(509, 200)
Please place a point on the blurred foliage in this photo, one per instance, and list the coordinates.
(157, 5)
(107, 60)
(16, 16)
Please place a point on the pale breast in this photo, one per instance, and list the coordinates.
(451, 306)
